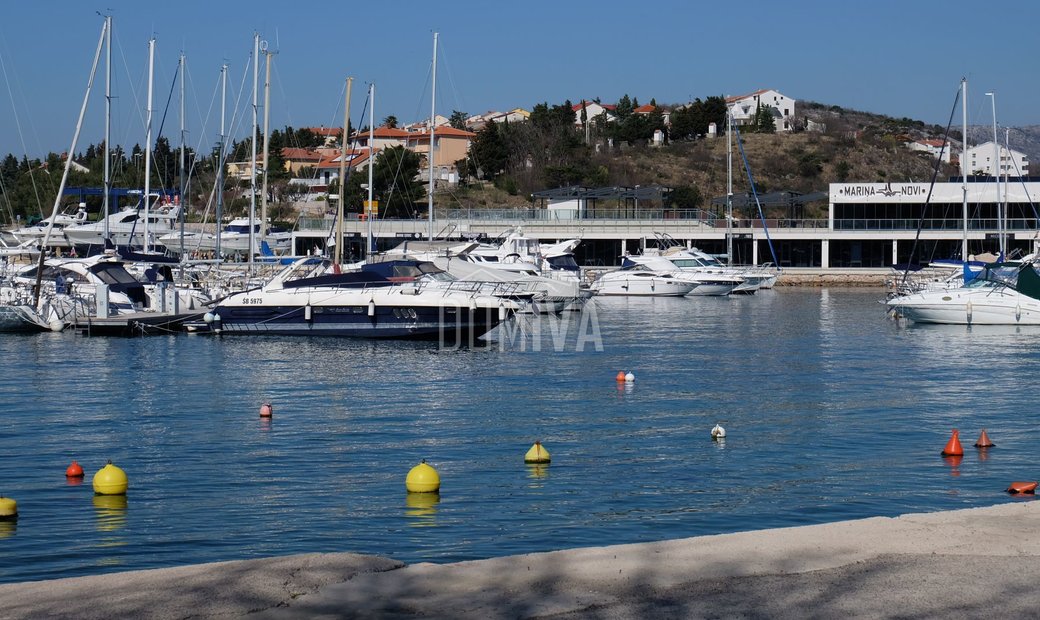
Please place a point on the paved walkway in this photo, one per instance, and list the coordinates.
(983, 561)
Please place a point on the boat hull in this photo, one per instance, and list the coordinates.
(984, 307)
(642, 287)
(451, 326)
(20, 319)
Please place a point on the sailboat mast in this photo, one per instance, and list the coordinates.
(108, 123)
(964, 168)
(182, 190)
(267, 133)
(252, 161)
(433, 140)
(220, 157)
(996, 175)
(371, 163)
(148, 144)
(68, 166)
(729, 189)
(343, 175)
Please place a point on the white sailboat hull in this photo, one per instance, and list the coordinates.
(968, 307)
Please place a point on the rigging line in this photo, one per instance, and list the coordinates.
(21, 137)
(931, 187)
(1025, 188)
(754, 192)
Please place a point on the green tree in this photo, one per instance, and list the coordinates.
(395, 182)
(458, 119)
(763, 122)
(488, 154)
(685, 197)
(624, 107)
(390, 121)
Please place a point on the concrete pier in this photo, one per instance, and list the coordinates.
(974, 562)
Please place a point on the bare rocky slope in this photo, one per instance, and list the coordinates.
(853, 147)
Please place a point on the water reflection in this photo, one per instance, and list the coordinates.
(422, 508)
(954, 462)
(265, 424)
(73, 481)
(8, 527)
(537, 471)
(110, 511)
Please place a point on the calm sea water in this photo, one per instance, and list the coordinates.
(833, 411)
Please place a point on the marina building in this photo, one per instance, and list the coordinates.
(868, 225)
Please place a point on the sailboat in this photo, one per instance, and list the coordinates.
(1004, 293)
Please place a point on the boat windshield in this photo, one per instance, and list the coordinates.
(996, 275)
(687, 262)
(113, 273)
(565, 262)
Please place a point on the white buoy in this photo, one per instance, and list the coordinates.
(717, 432)
(629, 378)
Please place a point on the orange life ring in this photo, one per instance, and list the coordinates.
(1022, 487)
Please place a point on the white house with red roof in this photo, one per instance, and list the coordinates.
(594, 110)
(742, 109)
(937, 148)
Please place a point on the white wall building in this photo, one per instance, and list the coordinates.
(937, 148)
(742, 108)
(1012, 163)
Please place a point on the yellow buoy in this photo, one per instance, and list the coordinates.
(110, 480)
(537, 454)
(8, 508)
(422, 479)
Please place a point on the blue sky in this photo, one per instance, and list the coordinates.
(901, 58)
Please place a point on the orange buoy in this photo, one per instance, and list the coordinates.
(621, 376)
(1022, 487)
(984, 441)
(953, 446)
(266, 411)
(74, 470)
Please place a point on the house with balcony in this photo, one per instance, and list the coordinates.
(450, 145)
(1012, 163)
(742, 108)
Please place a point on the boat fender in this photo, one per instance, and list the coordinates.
(1022, 487)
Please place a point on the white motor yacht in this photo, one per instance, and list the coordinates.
(709, 281)
(640, 280)
(27, 236)
(234, 239)
(1003, 294)
(126, 228)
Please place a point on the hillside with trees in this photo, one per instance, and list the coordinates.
(510, 161)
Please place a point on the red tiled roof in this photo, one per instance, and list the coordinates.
(645, 109)
(606, 106)
(381, 132)
(299, 154)
(441, 132)
(355, 157)
(326, 131)
(739, 97)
